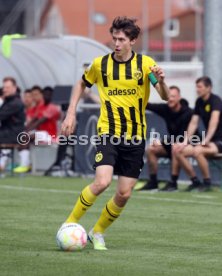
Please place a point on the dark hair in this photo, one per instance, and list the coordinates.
(48, 88)
(205, 80)
(1, 92)
(175, 87)
(47, 94)
(11, 79)
(36, 87)
(27, 91)
(127, 25)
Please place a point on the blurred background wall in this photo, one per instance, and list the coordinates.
(171, 29)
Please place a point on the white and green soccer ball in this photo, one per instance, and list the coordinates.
(71, 237)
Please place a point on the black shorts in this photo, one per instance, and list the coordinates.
(218, 143)
(126, 158)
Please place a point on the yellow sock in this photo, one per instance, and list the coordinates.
(85, 200)
(109, 214)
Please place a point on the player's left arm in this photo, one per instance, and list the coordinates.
(160, 86)
(212, 127)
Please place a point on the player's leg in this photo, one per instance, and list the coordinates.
(188, 151)
(128, 167)
(171, 185)
(89, 194)
(153, 152)
(112, 211)
(175, 169)
(200, 153)
(115, 205)
(104, 161)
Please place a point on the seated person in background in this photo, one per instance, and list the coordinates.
(1, 97)
(177, 115)
(12, 115)
(208, 108)
(29, 105)
(44, 118)
(46, 114)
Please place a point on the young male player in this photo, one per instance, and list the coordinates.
(123, 79)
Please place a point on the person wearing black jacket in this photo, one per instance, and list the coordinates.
(12, 116)
(177, 115)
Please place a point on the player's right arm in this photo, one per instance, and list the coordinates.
(88, 79)
(192, 127)
(68, 125)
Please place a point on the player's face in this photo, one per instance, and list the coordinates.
(121, 43)
(202, 90)
(27, 99)
(174, 98)
(37, 96)
(9, 88)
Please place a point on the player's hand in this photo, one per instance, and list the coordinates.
(68, 125)
(158, 73)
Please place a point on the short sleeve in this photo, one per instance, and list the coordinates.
(90, 75)
(216, 105)
(197, 107)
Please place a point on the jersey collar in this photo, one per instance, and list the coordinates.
(129, 60)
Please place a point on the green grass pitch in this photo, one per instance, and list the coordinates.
(157, 234)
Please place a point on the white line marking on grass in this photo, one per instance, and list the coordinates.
(182, 200)
(205, 196)
(30, 189)
(22, 188)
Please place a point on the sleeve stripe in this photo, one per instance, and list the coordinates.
(87, 83)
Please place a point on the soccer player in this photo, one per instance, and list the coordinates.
(208, 108)
(177, 115)
(123, 79)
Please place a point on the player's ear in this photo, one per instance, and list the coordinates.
(132, 42)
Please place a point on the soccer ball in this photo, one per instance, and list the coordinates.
(71, 237)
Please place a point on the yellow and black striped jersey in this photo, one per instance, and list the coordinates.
(124, 89)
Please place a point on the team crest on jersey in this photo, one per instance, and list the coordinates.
(109, 76)
(207, 108)
(137, 74)
(99, 157)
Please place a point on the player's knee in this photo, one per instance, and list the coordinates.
(151, 150)
(102, 183)
(176, 153)
(197, 151)
(174, 150)
(124, 195)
